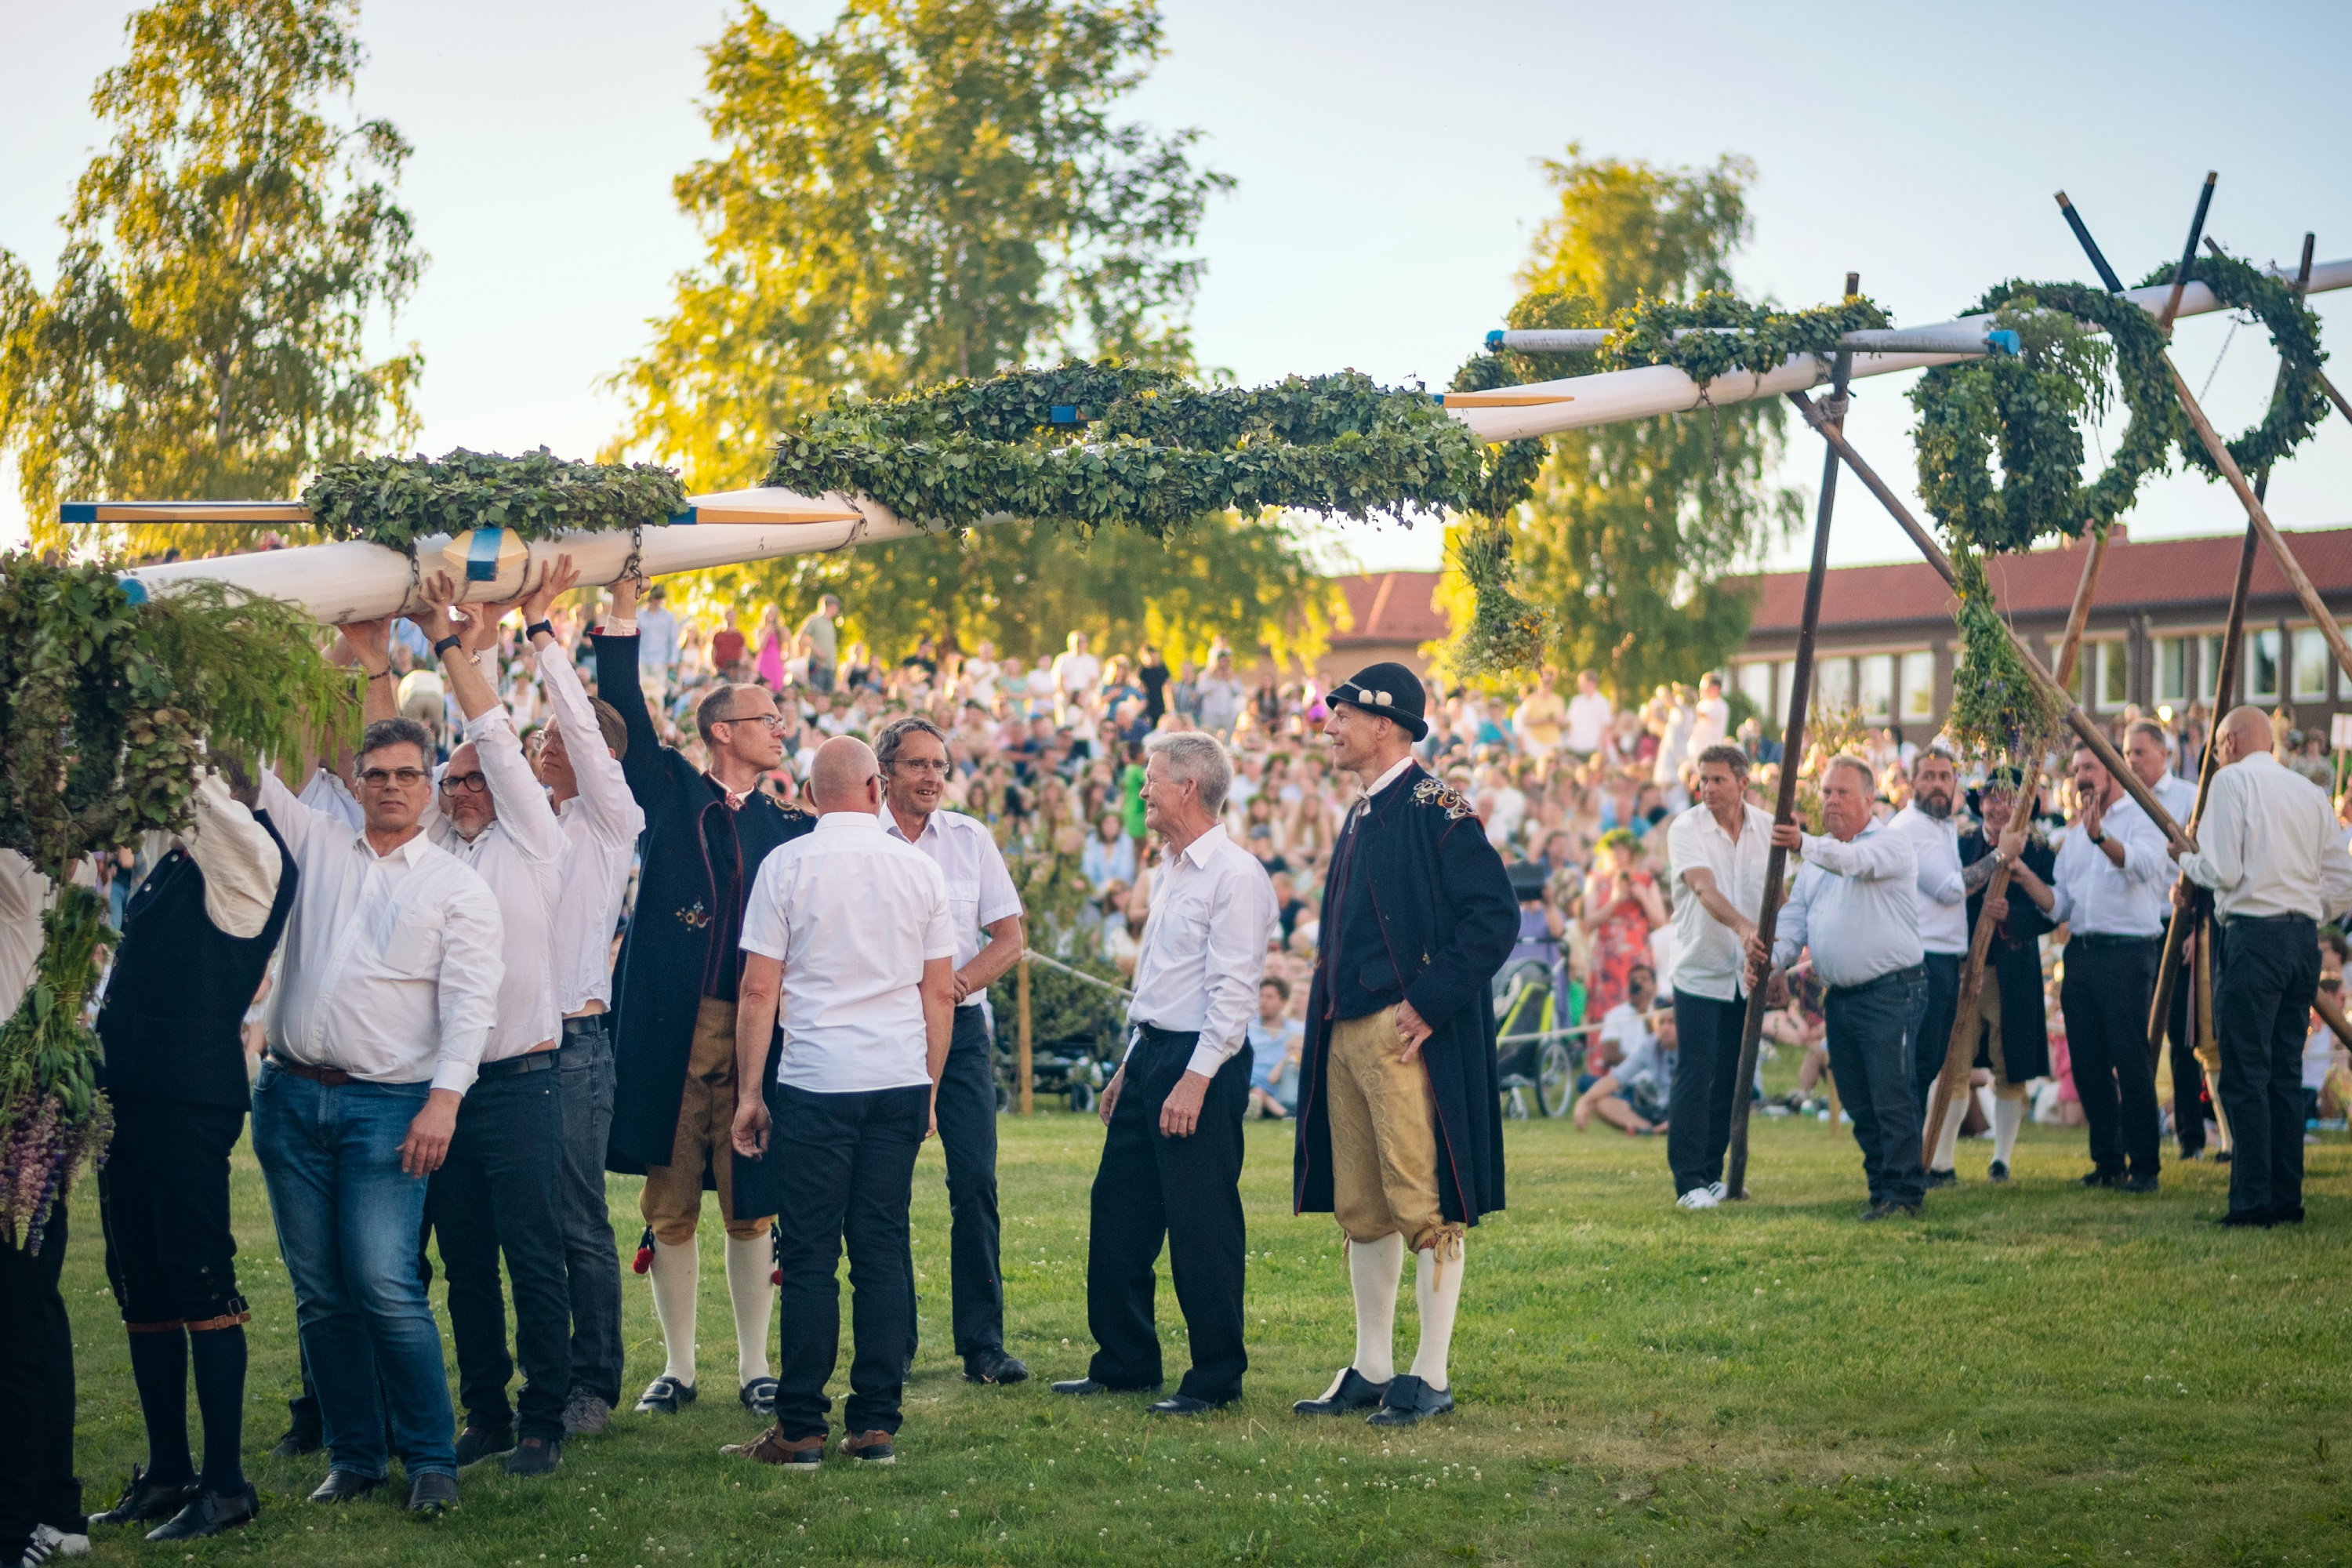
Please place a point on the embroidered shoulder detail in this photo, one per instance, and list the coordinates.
(1432, 792)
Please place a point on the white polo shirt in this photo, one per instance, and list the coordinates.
(979, 890)
(1707, 957)
(853, 915)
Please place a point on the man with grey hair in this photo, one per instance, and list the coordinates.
(1855, 906)
(1172, 1162)
(912, 753)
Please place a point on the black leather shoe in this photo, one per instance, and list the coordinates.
(1997, 1171)
(144, 1499)
(758, 1397)
(345, 1486)
(2246, 1219)
(209, 1514)
(1083, 1388)
(2139, 1185)
(663, 1397)
(1407, 1400)
(1350, 1392)
(433, 1492)
(2104, 1179)
(535, 1457)
(994, 1366)
(1182, 1404)
(1888, 1208)
(476, 1444)
(295, 1444)
(1943, 1178)
(2287, 1216)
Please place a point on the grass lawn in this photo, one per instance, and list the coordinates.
(2029, 1374)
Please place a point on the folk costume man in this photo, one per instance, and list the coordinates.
(579, 760)
(1719, 849)
(673, 1052)
(1400, 1122)
(2014, 1048)
(2271, 852)
(1171, 1162)
(913, 755)
(196, 940)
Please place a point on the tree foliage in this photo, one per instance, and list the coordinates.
(1634, 539)
(225, 254)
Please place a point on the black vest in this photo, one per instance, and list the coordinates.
(1360, 975)
(180, 985)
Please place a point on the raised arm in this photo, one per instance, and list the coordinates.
(241, 863)
(616, 683)
(603, 783)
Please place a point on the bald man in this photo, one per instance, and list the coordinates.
(849, 930)
(2270, 852)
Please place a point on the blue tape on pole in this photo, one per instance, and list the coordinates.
(681, 519)
(1495, 340)
(1064, 414)
(2004, 342)
(132, 588)
(482, 554)
(78, 511)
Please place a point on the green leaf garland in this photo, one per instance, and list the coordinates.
(395, 501)
(1759, 339)
(2302, 402)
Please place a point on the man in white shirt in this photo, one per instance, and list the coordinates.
(1710, 717)
(913, 755)
(2269, 849)
(1944, 888)
(1222, 697)
(1716, 851)
(848, 931)
(1854, 905)
(385, 1002)
(578, 762)
(657, 649)
(2149, 756)
(822, 629)
(1589, 716)
(1171, 1164)
(1075, 672)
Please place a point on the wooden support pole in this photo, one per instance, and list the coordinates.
(1793, 753)
(1023, 1072)
(2209, 1045)
(2085, 728)
(1960, 1048)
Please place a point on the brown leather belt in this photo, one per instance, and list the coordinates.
(332, 1077)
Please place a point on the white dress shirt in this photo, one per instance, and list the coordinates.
(520, 855)
(2269, 845)
(979, 890)
(1943, 895)
(1203, 949)
(1855, 905)
(853, 915)
(1395, 772)
(2178, 795)
(601, 824)
(240, 863)
(1708, 960)
(328, 792)
(1588, 718)
(391, 965)
(2095, 897)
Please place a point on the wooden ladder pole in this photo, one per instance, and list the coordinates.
(1792, 753)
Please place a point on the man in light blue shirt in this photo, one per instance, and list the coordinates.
(1855, 904)
(657, 638)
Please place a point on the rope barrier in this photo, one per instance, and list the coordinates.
(1077, 974)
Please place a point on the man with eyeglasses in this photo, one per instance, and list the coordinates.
(387, 999)
(706, 832)
(498, 1192)
(913, 756)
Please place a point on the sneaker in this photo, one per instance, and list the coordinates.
(476, 1444)
(772, 1447)
(1997, 1171)
(869, 1448)
(535, 1457)
(51, 1544)
(586, 1415)
(1720, 1190)
(663, 1397)
(1699, 1198)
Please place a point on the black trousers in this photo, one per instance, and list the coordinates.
(2261, 1004)
(850, 1164)
(2188, 1099)
(1869, 1029)
(37, 1485)
(967, 1117)
(1187, 1192)
(162, 1201)
(1931, 1032)
(500, 1191)
(1706, 1079)
(2110, 984)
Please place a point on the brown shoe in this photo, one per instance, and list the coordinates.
(772, 1447)
(869, 1448)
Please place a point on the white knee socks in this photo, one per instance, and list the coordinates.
(750, 1264)
(674, 1282)
(1375, 1268)
(2008, 1116)
(1437, 1289)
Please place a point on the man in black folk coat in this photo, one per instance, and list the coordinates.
(1400, 1121)
(674, 999)
(2015, 1043)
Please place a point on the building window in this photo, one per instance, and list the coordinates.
(1834, 683)
(1755, 684)
(2311, 662)
(2115, 674)
(2173, 674)
(1784, 684)
(1875, 693)
(2261, 666)
(1919, 687)
(2209, 670)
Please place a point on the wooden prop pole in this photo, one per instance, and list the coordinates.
(1022, 1072)
(1792, 753)
(2085, 728)
(2209, 1047)
(1960, 1047)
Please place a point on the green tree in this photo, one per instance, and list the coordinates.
(225, 256)
(1637, 535)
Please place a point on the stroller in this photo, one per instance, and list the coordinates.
(1532, 1001)
(1074, 1067)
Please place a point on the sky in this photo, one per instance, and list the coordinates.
(1387, 161)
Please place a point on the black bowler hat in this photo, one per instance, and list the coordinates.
(1391, 690)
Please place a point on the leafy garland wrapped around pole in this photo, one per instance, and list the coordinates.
(395, 501)
(107, 709)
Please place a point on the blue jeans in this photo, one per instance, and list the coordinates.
(1870, 1056)
(584, 1077)
(347, 1225)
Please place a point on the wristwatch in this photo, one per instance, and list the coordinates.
(2098, 840)
(536, 628)
(446, 644)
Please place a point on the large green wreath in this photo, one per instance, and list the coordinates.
(395, 501)
(1083, 445)
(2302, 400)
